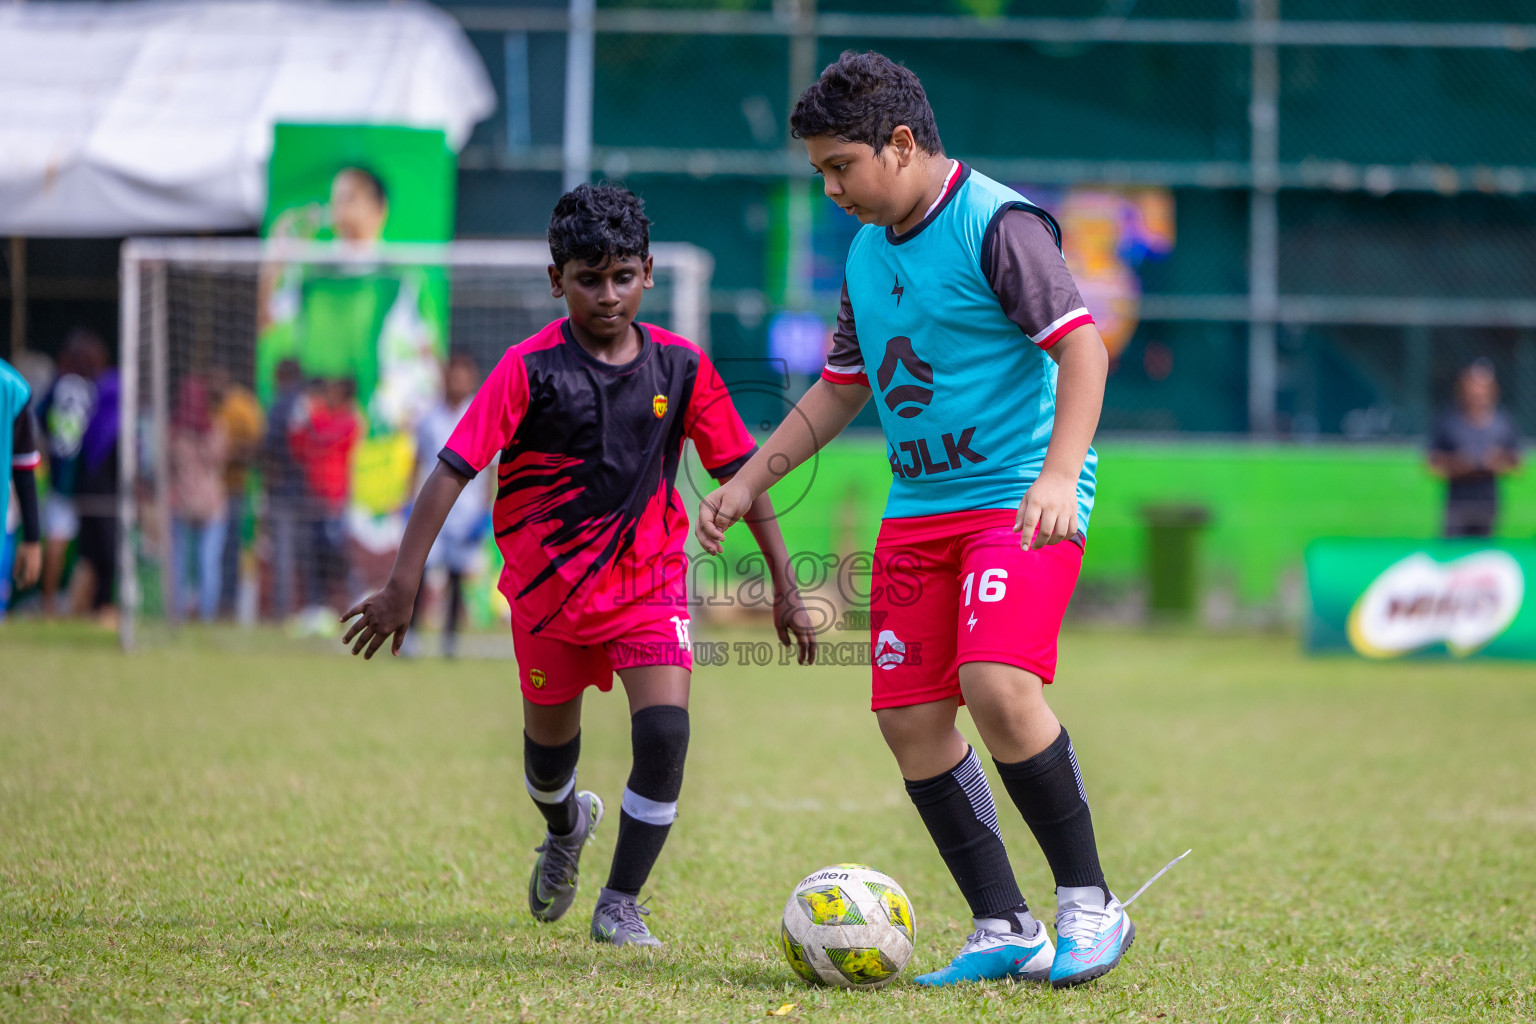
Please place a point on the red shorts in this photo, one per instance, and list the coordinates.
(555, 671)
(958, 587)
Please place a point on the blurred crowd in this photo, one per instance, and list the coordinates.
(258, 499)
(75, 423)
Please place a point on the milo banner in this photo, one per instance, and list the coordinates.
(377, 333)
(1394, 598)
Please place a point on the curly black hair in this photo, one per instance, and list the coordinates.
(862, 98)
(597, 222)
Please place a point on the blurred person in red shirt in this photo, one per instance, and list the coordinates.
(322, 436)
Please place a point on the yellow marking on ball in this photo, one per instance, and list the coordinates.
(828, 904)
(862, 966)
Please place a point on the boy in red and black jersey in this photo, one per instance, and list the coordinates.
(588, 417)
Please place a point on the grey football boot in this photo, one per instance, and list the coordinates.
(552, 886)
(616, 921)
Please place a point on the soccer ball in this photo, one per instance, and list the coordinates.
(848, 925)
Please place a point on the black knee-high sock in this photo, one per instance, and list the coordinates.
(659, 735)
(958, 810)
(550, 774)
(1048, 789)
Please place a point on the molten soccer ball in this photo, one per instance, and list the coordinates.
(848, 925)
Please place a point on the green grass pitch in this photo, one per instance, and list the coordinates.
(190, 834)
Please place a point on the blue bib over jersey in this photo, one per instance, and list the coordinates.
(966, 400)
(14, 392)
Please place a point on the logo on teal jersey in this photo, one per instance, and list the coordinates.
(906, 400)
(922, 463)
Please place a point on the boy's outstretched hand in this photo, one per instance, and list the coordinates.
(790, 617)
(721, 508)
(381, 615)
(1048, 514)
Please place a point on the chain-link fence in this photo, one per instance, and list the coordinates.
(1295, 218)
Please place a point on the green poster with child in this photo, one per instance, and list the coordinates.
(369, 332)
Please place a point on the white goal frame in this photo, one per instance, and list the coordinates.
(144, 269)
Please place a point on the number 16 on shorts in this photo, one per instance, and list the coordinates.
(1012, 601)
(993, 587)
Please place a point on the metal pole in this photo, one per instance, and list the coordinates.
(18, 296)
(128, 601)
(579, 64)
(1416, 366)
(802, 48)
(1263, 221)
(800, 195)
(160, 391)
(1523, 388)
(692, 270)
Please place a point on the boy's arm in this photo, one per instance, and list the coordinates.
(789, 614)
(1048, 514)
(387, 613)
(820, 415)
(1022, 260)
(485, 429)
(25, 458)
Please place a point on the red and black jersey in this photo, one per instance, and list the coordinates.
(587, 514)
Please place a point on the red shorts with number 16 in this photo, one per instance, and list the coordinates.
(959, 587)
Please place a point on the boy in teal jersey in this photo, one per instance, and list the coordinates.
(960, 318)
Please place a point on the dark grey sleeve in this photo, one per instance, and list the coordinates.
(845, 363)
(1030, 278)
(24, 452)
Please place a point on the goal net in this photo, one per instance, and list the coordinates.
(272, 396)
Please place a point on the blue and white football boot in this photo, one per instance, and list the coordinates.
(1092, 932)
(999, 955)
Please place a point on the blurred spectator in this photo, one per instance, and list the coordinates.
(199, 511)
(288, 508)
(20, 551)
(97, 492)
(63, 414)
(239, 415)
(322, 436)
(1472, 445)
(460, 547)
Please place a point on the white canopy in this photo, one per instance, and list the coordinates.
(125, 118)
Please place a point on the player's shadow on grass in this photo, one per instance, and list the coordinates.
(558, 953)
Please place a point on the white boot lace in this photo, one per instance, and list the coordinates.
(1086, 923)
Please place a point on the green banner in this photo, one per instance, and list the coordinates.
(1394, 598)
(380, 331)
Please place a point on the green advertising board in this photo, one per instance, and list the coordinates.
(381, 330)
(1394, 598)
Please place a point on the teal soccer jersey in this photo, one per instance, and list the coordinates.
(14, 392)
(949, 324)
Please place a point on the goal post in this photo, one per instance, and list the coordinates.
(202, 317)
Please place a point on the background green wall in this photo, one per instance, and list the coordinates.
(1267, 501)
